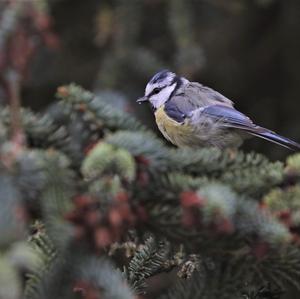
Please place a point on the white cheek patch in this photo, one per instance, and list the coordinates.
(159, 99)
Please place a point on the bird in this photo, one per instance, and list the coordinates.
(189, 114)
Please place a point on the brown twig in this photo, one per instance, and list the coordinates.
(13, 86)
(17, 140)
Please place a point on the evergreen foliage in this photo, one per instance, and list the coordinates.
(149, 260)
(218, 224)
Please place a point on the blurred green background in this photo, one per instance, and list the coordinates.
(249, 50)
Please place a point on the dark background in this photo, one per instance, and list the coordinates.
(247, 50)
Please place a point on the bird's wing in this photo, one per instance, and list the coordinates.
(192, 97)
(228, 117)
(225, 116)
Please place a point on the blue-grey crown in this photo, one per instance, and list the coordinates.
(160, 76)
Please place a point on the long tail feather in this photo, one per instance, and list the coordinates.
(273, 137)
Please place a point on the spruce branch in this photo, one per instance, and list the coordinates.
(213, 214)
(95, 112)
(279, 267)
(11, 287)
(41, 131)
(104, 158)
(46, 253)
(231, 279)
(147, 261)
(79, 272)
(293, 164)
(99, 275)
(264, 292)
(250, 173)
(12, 212)
(285, 206)
(141, 144)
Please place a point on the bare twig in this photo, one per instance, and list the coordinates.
(13, 85)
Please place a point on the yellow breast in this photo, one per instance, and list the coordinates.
(179, 134)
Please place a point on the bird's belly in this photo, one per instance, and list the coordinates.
(188, 134)
(180, 134)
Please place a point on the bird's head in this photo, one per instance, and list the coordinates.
(160, 88)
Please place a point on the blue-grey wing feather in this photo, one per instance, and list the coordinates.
(227, 117)
(175, 112)
(193, 96)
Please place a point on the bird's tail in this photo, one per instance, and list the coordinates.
(273, 137)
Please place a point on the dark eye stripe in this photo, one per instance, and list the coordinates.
(154, 91)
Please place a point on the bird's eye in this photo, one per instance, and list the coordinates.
(156, 90)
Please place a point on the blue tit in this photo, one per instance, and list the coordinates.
(190, 114)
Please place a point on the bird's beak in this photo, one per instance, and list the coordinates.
(142, 99)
